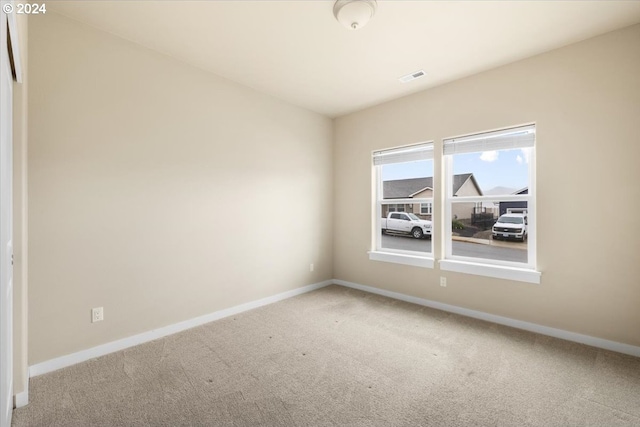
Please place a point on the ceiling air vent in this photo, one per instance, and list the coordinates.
(412, 76)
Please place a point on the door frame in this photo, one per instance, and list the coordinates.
(11, 70)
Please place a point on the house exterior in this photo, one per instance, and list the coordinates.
(415, 188)
(514, 207)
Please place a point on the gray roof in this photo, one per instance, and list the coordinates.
(524, 190)
(406, 188)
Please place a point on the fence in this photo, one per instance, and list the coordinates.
(482, 219)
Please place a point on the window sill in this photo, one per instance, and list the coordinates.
(397, 258)
(497, 271)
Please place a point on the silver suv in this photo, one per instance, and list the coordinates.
(510, 226)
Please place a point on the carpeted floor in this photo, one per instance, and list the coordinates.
(340, 357)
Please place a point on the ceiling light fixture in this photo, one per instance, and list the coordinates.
(354, 14)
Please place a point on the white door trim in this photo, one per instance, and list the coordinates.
(8, 68)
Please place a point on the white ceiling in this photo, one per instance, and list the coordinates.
(297, 51)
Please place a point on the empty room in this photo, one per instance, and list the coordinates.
(320, 213)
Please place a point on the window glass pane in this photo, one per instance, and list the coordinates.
(407, 170)
(406, 231)
(426, 208)
(496, 231)
(406, 181)
(410, 180)
(501, 172)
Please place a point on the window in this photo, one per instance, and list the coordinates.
(395, 208)
(402, 206)
(489, 203)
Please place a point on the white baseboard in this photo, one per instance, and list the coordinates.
(519, 324)
(111, 347)
(22, 399)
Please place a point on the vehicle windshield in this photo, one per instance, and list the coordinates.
(413, 217)
(511, 219)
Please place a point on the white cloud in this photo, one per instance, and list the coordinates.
(519, 159)
(526, 152)
(489, 156)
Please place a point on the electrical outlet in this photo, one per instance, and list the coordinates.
(311, 267)
(443, 282)
(97, 314)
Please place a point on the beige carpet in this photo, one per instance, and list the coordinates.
(340, 357)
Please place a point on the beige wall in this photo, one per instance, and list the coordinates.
(161, 192)
(20, 273)
(585, 100)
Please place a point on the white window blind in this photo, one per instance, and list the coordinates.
(520, 137)
(404, 154)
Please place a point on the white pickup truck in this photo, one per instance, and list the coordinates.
(406, 223)
(511, 226)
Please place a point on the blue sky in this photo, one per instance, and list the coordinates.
(504, 168)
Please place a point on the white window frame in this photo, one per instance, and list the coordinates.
(428, 207)
(404, 154)
(500, 140)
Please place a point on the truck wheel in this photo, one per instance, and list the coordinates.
(417, 233)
